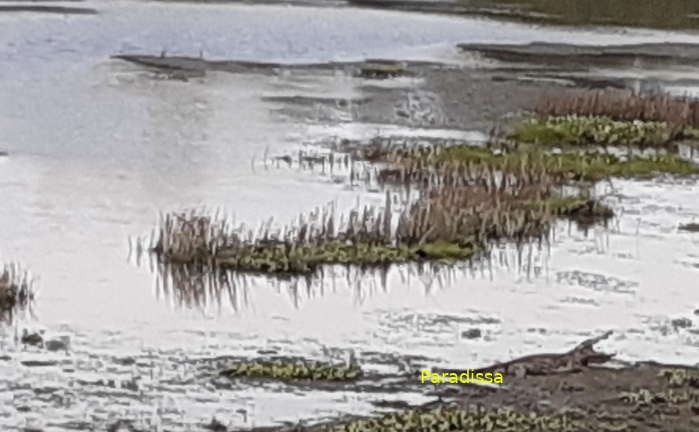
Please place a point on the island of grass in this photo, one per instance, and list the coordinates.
(575, 130)
(583, 118)
(454, 223)
(293, 371)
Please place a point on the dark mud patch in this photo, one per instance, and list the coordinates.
(370, 68)
(584, 56)
(690, 227)
(312, 101)
(63, 10)
(671, 14)
(477, 8)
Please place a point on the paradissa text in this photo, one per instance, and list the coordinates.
(467, 376)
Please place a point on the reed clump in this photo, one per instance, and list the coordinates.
(188, 237)
(446, 223)
(293, 370)
(16, 288)
(622, 106)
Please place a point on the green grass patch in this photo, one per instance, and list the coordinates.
(589, 130)
(284, 257)
(293, 370)
(572, 165)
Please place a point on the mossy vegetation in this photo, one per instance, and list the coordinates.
(457, 419)
(576, 130)
(283, 257)
(571, 165)
(293, 370)
(377, 69)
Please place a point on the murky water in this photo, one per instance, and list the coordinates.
(97, 149)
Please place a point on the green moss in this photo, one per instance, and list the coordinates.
(585, 130)
(444, 250)
(572, 165)
(279, 257)
(691, 133)
(298, 370)
(456, 419)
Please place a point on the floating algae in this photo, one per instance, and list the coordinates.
(293, 370)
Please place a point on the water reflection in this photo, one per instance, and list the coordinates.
(201, 286)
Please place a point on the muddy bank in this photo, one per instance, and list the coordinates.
(420, 94)
(64, 10)
(571, 388)
(436, 95)
(586, 56)
(673, 14)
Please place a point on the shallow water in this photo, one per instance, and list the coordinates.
(98, 148)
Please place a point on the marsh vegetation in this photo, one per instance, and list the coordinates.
(466, 196)
(16, 290)
(293, 370)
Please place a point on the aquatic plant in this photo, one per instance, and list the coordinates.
(523, 167)
(293, 370)
(381, 69)
(456, 419)
(16, 289)
(677, 377)
(574, 129)
(187, 237)
(622, 106)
